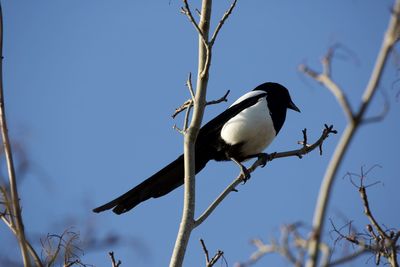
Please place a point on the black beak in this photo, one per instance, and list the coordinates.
(293, 106)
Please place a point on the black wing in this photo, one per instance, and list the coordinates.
(215, 125)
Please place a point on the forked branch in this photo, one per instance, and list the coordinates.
(214, 259)
(190, 134)
(376, 240)
(305, 149)
(355, 119)
(114, 262)
(325, 79)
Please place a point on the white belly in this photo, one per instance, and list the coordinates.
(253, 127)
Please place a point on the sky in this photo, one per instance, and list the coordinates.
(90, 87)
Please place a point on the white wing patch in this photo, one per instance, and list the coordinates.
(253, 126)
(248, 95)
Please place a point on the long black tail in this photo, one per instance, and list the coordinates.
(160, 184)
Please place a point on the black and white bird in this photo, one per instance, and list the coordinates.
(239, 133)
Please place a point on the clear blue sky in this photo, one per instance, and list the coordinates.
(90, 87)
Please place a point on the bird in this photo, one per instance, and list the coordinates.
(238, 134)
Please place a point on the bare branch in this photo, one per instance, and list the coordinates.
(214, 259)
(382, 115)
(10, 224)
(113, 261)
(186, 225)
(6, 215)
(62, 248)
(347, 258)
(203, 245)
(261, 162)
(199, 102)
(186, 121)
(262, 249)
(308, 148)
(372, 243)
(326, 80)
(290, 242)
(224, 98)
(186, 10)
(188, 103)
(190, 86)
(382, 243)
(179, 130)
(368, 212)
(390, 38)
(221, 22)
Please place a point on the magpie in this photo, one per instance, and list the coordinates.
(238, 134)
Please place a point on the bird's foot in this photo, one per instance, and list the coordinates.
(263, 158)
(245, 173)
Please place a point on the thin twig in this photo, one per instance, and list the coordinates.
(214, 259)
(187, 115)
(203, 245)
(113, 261)
(347, 258)
(381, 243)
(285, 247)
(381, 115)
(190, 86)
(221, 22)
(369, 214)
(188, 103)
(376, 244)
(223, 98)
(290, 240)
(325, 79)
(186, 10)
(260, 162)
(7, 214)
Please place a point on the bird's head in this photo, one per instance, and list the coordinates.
(278, 95)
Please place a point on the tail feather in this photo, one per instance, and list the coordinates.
(160, 184)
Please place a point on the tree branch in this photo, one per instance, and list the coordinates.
(188, 103)
(114, 263)
(186, 10)
(9, 222)
(326, 80)
(222, 21)
(199, 103)
(186, 225)
(290, 242)
(347, 258)
(305, 149)
(214, 259)
(391, 36)
(379, 117)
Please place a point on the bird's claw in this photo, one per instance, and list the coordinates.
(244, 172)
(263, 158)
